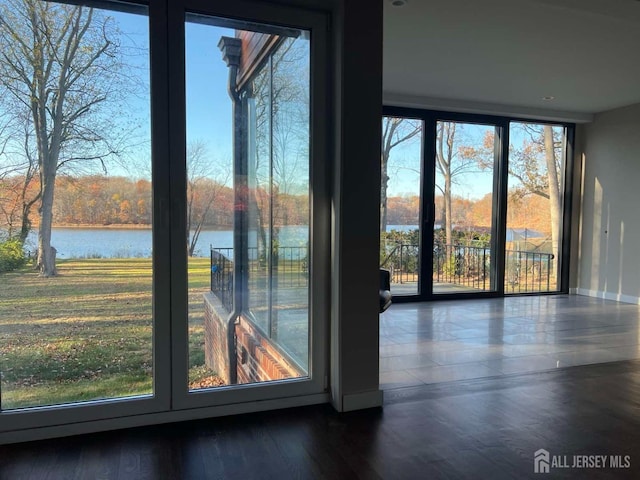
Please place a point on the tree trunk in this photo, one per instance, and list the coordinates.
(448, 218)
(25, 223)
(46, 254)
(555, 205)
(383, 194)
(191, 244)
(195, 236)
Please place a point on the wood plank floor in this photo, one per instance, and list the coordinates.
(482, 428)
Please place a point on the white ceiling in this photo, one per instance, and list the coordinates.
(506, 55)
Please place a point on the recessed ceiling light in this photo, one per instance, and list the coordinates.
(398, 3)
(548, 98)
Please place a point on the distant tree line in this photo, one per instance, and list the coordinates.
(101, 200)
(528, 211)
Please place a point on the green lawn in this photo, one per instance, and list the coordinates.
(86, 334)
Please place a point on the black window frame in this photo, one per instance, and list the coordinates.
(502, 123)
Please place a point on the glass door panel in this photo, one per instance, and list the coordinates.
(209, 162)
(248, 202)
(400, 201)
(537, 155)
(464, 230)
(76, 313)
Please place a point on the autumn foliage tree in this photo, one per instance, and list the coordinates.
(537, 164)
(536, 167)
(102, 200)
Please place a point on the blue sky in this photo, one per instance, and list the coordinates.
(404, 165)
(209, 113)
(208, 105)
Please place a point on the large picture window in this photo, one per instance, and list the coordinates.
(156, 244)
(494, 192)
(76, 311)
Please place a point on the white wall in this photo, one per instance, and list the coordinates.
(609, 265)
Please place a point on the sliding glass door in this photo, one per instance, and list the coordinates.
(535, 207)
(248, 203)
(246, 327)
(464, 230)
(400, 203)
(492, 193)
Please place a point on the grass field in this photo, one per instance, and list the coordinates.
(87, 333)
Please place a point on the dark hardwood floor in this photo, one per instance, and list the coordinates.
(485, 428)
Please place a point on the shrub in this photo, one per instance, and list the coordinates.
(11, 255)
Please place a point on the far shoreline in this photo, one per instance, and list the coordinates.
(121, 226)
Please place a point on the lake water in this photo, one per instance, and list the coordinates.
(135, 243)
(129, 243)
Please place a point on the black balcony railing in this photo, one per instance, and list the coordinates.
(402, 262)
(222, 276)
(290, 269)
(471, 267)
(462, 265)
(290, 265)
(529, 272)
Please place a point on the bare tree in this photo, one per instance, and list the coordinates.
(205, 181)
(59, 65)
(395, 131)
(453, 158)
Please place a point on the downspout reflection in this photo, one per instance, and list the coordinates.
(231, 49)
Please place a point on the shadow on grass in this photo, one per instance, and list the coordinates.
(108, 387)
(86, 334)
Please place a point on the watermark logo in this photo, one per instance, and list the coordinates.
(541, 461)
(544, 462)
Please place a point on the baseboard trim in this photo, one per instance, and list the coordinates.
(360, 401)
(617, 297)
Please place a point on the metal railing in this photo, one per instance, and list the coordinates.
(462, 265)
(402, 262)
(467, 266)
(222, 276)
(289, 267)
(529, 272)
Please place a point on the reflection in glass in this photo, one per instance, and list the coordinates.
(249, 272)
